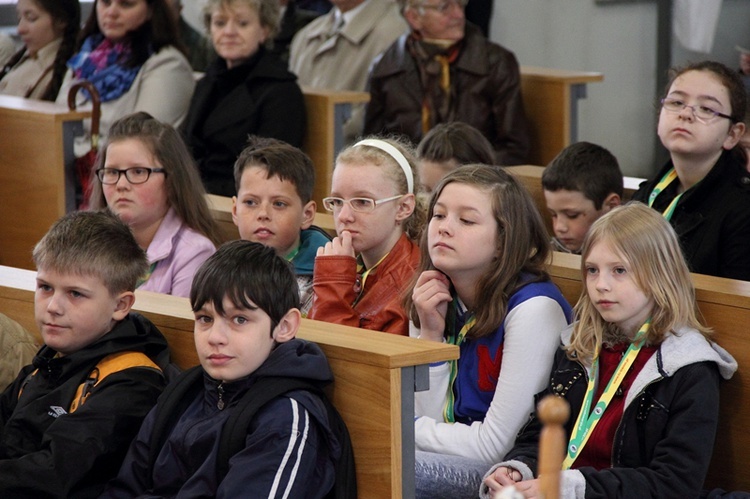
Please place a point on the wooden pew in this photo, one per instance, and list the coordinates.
(531, 177)
(36, 140)
(327, 111)
(221, 209)
(376, 375)
(550, 99)
(725, 306)
(36, 144)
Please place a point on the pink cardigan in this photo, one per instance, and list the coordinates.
(178, 251)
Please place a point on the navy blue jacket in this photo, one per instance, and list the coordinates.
(290, 450)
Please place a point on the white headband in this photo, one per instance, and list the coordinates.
(395, 154)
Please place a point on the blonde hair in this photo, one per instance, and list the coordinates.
(269, 14)
(361, 154)
(522, 244)
(646, 240)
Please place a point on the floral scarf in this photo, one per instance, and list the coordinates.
(102, 63)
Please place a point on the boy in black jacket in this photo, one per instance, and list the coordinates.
(67, 420)
(245, 301)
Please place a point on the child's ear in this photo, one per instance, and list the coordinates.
(611, 201)
(234, 210)
(406, 206)
(736, 132)
(288, 325)
(308, 214)
(124, 303)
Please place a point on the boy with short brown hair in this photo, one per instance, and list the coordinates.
(67, 420)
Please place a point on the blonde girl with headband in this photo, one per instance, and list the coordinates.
(359, 276)
(638, 370)
(482, 284)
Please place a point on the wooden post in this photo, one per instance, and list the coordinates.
(553, 412)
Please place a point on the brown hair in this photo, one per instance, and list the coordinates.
(728, 77)
(278, 159)
(185, 192)
(94, 244)
(522, 244)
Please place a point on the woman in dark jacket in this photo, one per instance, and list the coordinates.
(246, 91)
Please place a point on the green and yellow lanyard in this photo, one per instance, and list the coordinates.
(587, 420)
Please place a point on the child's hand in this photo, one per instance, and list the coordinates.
(431, 296)
(340, 246)
(504, 477)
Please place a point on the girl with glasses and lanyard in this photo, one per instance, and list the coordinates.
(704, 190)
(360, 275)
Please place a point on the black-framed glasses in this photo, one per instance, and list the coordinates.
(362, 205)
(704, 114)
(134, 175)
(444, 6)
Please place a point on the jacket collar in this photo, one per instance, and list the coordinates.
(163, 241)
(356, 30)
(686, 346)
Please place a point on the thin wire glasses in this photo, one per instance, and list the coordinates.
(135, 175)
(704, 114)
(361, 205)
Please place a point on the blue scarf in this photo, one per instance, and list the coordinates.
(101, 62)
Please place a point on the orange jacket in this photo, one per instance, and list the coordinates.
(379, 307)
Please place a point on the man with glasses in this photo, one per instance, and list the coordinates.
(335, 50)
(444, 70)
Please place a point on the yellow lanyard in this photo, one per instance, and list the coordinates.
(361, 280)
(667, 179)
(588, 420)
(448, 415)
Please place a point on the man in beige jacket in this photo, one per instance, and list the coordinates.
(335, 50)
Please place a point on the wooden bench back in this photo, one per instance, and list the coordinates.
(725, 306)
(367, 367)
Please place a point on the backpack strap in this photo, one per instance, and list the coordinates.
(234, 433)
(173, 401)
(110, 364)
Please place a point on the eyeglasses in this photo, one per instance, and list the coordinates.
(704, 114)
(361, 205)
(445, 6)
(135, 175)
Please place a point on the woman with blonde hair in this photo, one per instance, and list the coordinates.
(246, 91)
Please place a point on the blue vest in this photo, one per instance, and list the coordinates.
(480, 360)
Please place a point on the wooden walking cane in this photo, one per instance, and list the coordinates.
(84, 165)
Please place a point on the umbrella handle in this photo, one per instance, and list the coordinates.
(96, 107)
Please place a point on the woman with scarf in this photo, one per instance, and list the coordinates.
(130, 51)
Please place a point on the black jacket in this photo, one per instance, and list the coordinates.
(45, 452)
(488, 88)
(665, 439)
(258, 98)
(712, 219)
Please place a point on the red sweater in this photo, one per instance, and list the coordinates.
(597, 452)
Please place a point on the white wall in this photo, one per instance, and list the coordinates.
(618, 40)
(191, 11)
